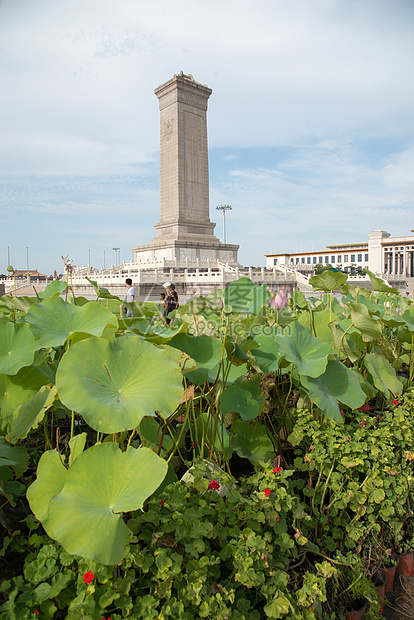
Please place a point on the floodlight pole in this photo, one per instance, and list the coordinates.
(116, 250)
(224, 208)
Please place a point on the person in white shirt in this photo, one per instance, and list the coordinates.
(130, 296)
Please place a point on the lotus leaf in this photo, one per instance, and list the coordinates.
(54, 321)
(17, 347)
(158, 334)
(245, 296)
(308, 354)
(21, 304)
(251, 442)
(206, 351)
(16, 458)
(408, 317)
(101, 293)
(328, 281)
(55, 288)
(337, 383)
(51, 476)
(114, 384)
(100, 485)
(268, 353)
(16, 390)
(383, 374)
(369, 326)
(235, 399)
(29, 414)
(380, 285)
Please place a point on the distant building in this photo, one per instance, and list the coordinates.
(381, 254)
(33, 274)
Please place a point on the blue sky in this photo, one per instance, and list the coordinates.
(310, 124)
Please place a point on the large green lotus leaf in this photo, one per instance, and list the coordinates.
(408, 317)
(55, 288)
(206, 351)
(185, 362)
(328, 281)
(383, 374)
(308, 354)
(17, 347)
(372, 305)
(369, 326)
(51, 476)
(101, 293)
(235, 399)
(380, 285)
(101, 484)
(16, 390)
(320, 322)
(353, 292)
(245, 296)
(393, 321)
(29, 414)
(338, 383)
(17, 303)
(114, 384)
(251, 441)
(268, 353)
(54, 321)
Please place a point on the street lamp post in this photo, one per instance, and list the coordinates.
(104, 261)
(224, 208)
(89, 264)
(116, 250)
(27, 257)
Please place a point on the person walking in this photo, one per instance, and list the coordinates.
(172, 300)
(130, 295)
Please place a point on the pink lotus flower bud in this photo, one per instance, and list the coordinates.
(279, 301)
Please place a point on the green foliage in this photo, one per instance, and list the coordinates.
(100, 484)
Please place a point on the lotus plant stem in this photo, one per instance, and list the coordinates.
(72, 424)
(177, 442)
(132, 435)
(316, 488)
(340, 342)
(162, 437)
(326, 484)
(48, 443)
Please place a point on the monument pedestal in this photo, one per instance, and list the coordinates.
(178, 253)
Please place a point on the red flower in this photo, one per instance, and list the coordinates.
(213, 485)
(277, 470)
(88, 577)
(163, 502)
(395, 402)
(363, 423)
(108, 618)
(267, 492)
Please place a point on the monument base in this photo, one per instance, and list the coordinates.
(185, 254)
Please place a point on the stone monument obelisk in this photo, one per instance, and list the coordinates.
(185, 234)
